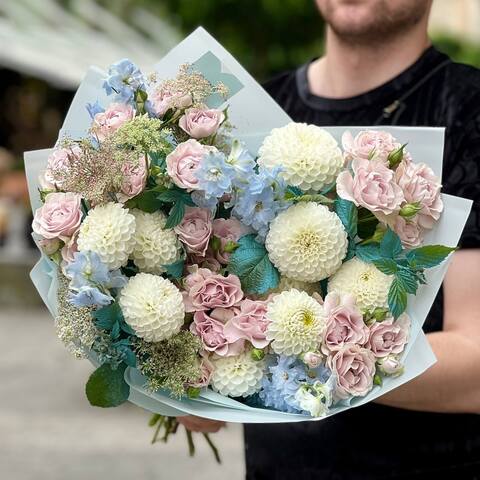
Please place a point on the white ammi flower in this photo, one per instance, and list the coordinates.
(296, 323)
(152, 306)
(238, 376)
(108, 231)
(155, 246)
(307, 242)
(364, 281)
(309, 156)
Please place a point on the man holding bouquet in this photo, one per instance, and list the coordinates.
(379, 68)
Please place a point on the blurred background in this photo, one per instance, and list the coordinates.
(47, 429)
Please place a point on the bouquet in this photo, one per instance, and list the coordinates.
(245, 270)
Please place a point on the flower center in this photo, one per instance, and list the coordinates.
(308, 242)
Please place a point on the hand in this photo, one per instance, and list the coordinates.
(198, 424)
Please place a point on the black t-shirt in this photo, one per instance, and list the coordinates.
(373, 441)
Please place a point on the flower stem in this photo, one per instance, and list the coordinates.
(213, 447)
(191, 445)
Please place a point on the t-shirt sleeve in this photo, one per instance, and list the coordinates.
(462, 172)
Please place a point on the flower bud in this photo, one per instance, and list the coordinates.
(390, 366)
(230, 246)
(395, 157)
(312, 359)
(215, 243)
(50, 246)
(257, 354)
(409, 210)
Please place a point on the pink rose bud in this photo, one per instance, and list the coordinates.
(60, 216)
(228, 232)
(134, 179)
(195, 229)
(70, 248)
(409, 231)
(312, 359)
(369, 145)
(200, 123)
(50, 246)
(390, 365)
(107, 122)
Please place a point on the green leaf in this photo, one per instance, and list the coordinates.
(106, 317)
(397, 298)
(348, 214)
(368, 253)
(292, 192)
(176, 215)
(146, 201)
(175, 270)
(429, 256)
(106, 387)
(408, 280)
(391, 245)
(251, 264)
(387, 266)
(127, 328)
(367, 223)
(115, 332)
(352, 247)
(129, 357)
(176, 195)
(157, 159)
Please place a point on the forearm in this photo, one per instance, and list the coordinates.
(452, 385)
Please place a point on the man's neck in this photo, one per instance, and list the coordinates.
(347, 70)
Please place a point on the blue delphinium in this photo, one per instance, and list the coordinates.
(124, 79)
(215, 175)
(87, 296)
(94, 108)
(87, 269)
(242, 162)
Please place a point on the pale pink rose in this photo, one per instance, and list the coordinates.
(372, 186)
(369, 145)
(419, 184)
(206, 372)
(390, 365)
(227, 230)
(199, 123)
(354, 369)
(70, 248)
(107, 122)
(210, 329)
(205, 290)
(50, 245)
(58, 165)
(59, 217)
(164, 99)
(389, 336)
(249, 324)
(134, 179)
(195, 230)
(313, 360)
(409, 231)
(344, 323)
(184, 161)
(208, 261)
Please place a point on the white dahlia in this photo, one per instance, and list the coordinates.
(108, 231)
(307, 242)
(155, 246)
(309, 156)
(296, 323)
(364, 281)
(238, 376)
(152, 306)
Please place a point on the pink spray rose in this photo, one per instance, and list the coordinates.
(205, 290)
(107, 122)
(249, 324)
(389, 336)
(59, 163)
(200, 123)
(354, 369)
(419, 184)
(206, 372)
(59, 217)
(208, 261)
(70, 248)
(344, 323)
(184, 161)
(134, 179)
(163, 99)
(195, 229)
(313, 359)
(210, 329)
(409, 231)
(369, 145)
(372, 186)
(227, 230)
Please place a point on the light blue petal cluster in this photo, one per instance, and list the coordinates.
(89, 296)
(94, 108)
(215, 175)
(124, 79)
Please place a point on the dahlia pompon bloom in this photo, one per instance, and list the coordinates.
(369, 145)
(368, 285)
(344, 323)
(200, 123)
(296, 323)
(205, 290)
(307, 242)
(195, 230)
(372, 186)
(109, 231)
(155, 246)
(109, 121)
(309, 156)
(238, 376)
(59, 217)
(152, 306)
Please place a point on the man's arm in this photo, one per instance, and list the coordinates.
(452, 385)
